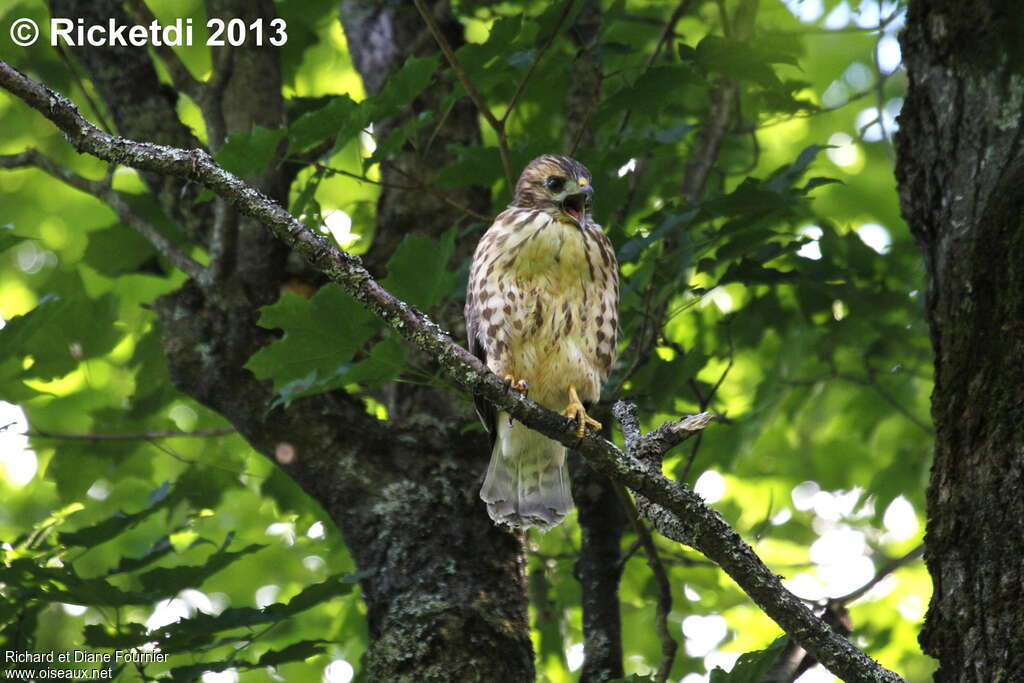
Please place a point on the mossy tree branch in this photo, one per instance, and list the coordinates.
(675, 511)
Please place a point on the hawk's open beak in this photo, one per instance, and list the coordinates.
(575, 204)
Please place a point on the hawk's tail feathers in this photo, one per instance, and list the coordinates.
(527, 482)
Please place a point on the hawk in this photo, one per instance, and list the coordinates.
(542, 312)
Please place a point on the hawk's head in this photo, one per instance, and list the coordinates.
(558, 185)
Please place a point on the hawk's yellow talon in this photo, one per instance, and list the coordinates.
(520, 385)
(578, 413)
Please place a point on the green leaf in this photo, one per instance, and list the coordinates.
(751, 666)
(737, 59)
(385, 363)
(785, 176)
(402, 88)
(168, 581)
(396, 139)
(64, 328)
(669, 223)
(74, 467)
(307, 197)
(17, 342)
(16, 336)
(473, 166)
(62, 584)
(750, 272)
(309, 385)
(185, 634)
(8, 239)
(339, 119)
(192, 672)
(342, 118)
(304, 649)
(127, 635)
(153, 389)
(522, 59)
(818, 181)
(647, 94)
(418, 270)
(110, 527)
(159, 549)
(751, 198)
(205, 486)
(504, 32)
(12, 389)
(119, 249)
(304, 20)
(245, 154)
(321, 335)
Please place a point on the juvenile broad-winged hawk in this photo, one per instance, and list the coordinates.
(542, 311)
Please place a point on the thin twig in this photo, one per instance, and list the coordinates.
(212, 95)
(419, 185)
(691, 458)
(626, 205)
(706, 403)
(130, 436)
(667, 33)
(331, 170)
(584, 122)
(426, 187)
(883, 571)
(629, 553)
(223, 240)
(813, 30)
(474, 94)
(113, 199)
(702, 158)
(795, 660)
(761, 126)
(893, 401)
(871, 383)
(663, 608)
(536, 60)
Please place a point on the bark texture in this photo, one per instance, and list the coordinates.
(961, 168)
(598, 570)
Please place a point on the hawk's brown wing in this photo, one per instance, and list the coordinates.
(484, 409)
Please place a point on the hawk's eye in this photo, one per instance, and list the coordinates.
(555, 184)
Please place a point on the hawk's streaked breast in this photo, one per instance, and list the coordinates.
(544, 293)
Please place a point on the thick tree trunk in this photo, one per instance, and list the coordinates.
(961, 172)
